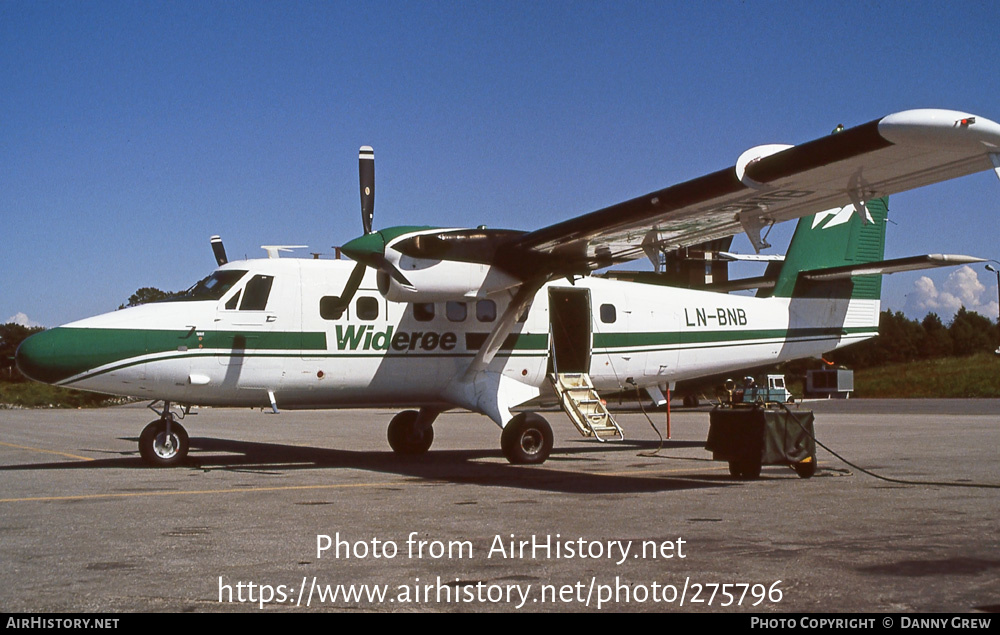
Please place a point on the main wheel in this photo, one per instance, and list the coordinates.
(526, 439)
(406, 437)
(159, 449)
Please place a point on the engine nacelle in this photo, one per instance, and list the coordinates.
(440, 280)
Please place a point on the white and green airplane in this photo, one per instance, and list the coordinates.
(433, 319)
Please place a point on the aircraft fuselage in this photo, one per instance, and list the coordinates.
(310, 343)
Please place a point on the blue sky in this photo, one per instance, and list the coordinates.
(130, 132)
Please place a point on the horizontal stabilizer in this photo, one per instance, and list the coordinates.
(727, 255)
(912, 263)
(742, 284)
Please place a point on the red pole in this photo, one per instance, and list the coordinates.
(668, 411)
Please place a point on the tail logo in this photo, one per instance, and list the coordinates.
(837, 216)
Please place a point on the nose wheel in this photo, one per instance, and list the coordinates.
(163, 443)
(410, 432)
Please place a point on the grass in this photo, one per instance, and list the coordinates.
(28, 394)
(973, 377)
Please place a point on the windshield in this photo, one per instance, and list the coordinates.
(214, 286)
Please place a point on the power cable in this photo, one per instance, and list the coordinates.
(888, 479)
(879, 476)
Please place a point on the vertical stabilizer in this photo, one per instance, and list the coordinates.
(831, 239)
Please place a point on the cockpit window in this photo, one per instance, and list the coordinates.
(257, 291)
(233, 302)
(214, 286)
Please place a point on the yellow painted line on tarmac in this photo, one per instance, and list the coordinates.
(662, 471)
(236, 490)
(28, 447)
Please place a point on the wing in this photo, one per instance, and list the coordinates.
(768, 184)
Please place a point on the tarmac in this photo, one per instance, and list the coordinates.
(311, 511)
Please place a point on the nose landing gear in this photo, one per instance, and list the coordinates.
(164, 442)
(410, 432)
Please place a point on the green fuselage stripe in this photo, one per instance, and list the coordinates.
(674, 338)
(70, 351)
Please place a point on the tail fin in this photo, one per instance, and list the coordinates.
(832, 239)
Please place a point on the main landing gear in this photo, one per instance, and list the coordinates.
(164, 442)
(525, 440)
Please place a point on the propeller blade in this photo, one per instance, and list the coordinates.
(366, 174)
(383, 264)
(219, 250)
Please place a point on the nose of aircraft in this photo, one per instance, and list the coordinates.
(38, 357)
(60, 353)
(68, 351)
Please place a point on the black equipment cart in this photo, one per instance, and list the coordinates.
(751, 436)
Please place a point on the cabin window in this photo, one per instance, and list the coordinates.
(366, 308)
(609, 315)
(233, 302)
(456, 311)
(256, 293)
(331, 307)
(486, 310)
(423, 311)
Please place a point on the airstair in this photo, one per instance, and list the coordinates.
(585, 408)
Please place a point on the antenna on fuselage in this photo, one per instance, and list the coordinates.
(219, 250)
(273, 251)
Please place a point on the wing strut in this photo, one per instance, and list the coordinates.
(525, 294)
(856, 190)
(752, 225)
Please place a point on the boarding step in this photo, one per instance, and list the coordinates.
(584, 406)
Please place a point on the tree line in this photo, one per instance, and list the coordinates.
(901, 339)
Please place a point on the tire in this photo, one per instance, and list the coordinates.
(158, 449)
(805, 469)
(748, 470)
(526, 439)
(406, 438)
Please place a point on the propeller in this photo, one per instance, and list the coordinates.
(370, 250)
(366, 174)
(219, 250)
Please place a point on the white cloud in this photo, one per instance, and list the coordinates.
(22, 319)
(961, 288)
